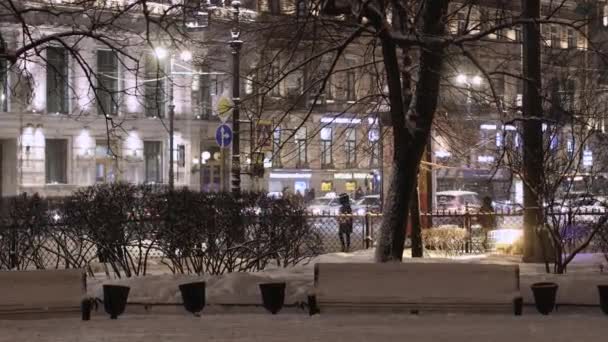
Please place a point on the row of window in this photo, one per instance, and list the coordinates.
(556, 36)
(343, 89)
(327, 138)
(109, 88)
(106, 168)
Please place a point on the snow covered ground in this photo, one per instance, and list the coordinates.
(294, 328)
(578, 287)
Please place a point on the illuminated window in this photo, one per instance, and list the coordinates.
(153, 161)
(351, 186)
(350, 147)
(105, 162)
(154, 86)
(201, 93)
(276, 147)
(326, 147)
(56, 161)
(3, 85)
(485, 159)
(57, 80)
(107, 82)
(301, 147)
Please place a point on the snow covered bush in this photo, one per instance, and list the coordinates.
(22, 231)
(110, 218)
(216, 233)
(448, 239)
(122, 226)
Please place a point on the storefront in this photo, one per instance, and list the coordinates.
(349, 182)
(291, 181)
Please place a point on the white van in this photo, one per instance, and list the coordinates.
(457, 200)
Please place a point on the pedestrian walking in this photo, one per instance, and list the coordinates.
(345, 227)
(358, 193)
(487, 218)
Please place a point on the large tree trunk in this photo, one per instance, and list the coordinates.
(532, 132)
(409, 144)
(416, 237)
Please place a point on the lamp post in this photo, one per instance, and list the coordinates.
(161, 53)
(235, 44)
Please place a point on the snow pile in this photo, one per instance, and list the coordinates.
(579, 286)
(231, 288)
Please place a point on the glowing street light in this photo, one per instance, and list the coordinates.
(461, 79)
(476, 80)
(160, 52)
(185, 56)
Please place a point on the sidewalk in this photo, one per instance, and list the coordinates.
(293, 328)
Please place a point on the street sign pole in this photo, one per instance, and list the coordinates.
(236, 44)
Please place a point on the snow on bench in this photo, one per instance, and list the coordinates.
(38, 293)
(416, 287)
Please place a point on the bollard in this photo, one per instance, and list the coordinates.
(85, 308)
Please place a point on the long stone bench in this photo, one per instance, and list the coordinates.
(416, 287)
(41, 293)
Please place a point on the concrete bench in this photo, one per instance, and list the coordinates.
(416, 287)
(41, 293)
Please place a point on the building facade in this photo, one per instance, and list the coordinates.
(78, 111)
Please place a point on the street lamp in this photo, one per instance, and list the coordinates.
(186, 56)
(235, 44)
(476, 80)
(469, 82)
(160, 52)
(461, 79)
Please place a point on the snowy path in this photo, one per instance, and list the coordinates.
(293, 328)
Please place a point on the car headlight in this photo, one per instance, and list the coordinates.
(361, 212)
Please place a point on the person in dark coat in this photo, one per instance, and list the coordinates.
(345, 227)
(487, 218)
(358, 193)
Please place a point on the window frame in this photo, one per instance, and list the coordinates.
(351, 88)
(157, 109)
(59, 89)
(159, 155)
(108, 161)
(326, 148)
(103, 89)
(274, 7)
(350, 147)
(63, 159)
(301, 147)
(276, 147)
(202, 97)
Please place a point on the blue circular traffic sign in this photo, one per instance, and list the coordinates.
(223, 135)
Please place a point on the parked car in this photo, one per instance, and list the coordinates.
(367, 204)
(584, 208)
(275, 194)
(457, 201)
(327, 205)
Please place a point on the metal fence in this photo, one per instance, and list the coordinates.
(54, 247)
(60, 246)
(488, 230)
(362, 236)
